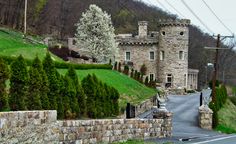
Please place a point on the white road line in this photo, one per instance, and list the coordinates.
(215, 139)
(191, 134)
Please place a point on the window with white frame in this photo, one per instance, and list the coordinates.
(151, 77)
(181, 55)
(169, 78)
(162, 55)
(151, 55)
(127, 56)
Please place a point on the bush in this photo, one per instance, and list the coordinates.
(143, 69)
(126, 70)
(115, 66)
(146, 81)
(233, 99)
(119, 67)
(62, 65)
(221, 97)
(217, 84)
(225, 129)
(132, 73)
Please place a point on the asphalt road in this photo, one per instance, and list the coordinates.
(185, 122)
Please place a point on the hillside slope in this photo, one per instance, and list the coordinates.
(227, 118)
(12, 43)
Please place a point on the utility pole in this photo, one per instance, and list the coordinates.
(25, 17)
(215, 70)
(217, 48)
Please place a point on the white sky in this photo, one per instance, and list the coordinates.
(224, 9)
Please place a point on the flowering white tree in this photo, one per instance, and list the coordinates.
(95, 35)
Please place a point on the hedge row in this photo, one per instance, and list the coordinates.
(62, 65)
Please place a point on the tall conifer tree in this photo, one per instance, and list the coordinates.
(44, 87)
(81, 99)
(4, 75)
(53, 80)
(34, 101)
(89, 89)
(18, 84)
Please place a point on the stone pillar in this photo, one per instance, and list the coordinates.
(168, 124)
(205, 117)
(142, 29)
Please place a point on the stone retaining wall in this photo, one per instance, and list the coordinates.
(205, 117)
(35, 127)
(145, 106)
(42, 127)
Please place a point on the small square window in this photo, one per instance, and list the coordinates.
(127, 56)
(152, 55)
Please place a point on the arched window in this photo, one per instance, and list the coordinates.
(162, 55)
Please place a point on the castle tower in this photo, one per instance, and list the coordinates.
(142, 29)
(173, 53)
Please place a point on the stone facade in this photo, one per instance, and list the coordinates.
(173, 46)
(169, 65)
(205, 117)
(42, 127)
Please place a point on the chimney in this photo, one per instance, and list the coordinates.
(142, 29)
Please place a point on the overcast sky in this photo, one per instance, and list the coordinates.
(224, 9)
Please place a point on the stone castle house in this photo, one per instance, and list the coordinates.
(163, 52)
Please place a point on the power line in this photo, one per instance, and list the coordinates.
(178, 12)
(162, 6)
(186, 5)
(216, 16)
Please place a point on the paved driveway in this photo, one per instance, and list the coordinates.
(185, 120)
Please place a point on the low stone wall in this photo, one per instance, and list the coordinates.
(35, 127)
(42, 127)
(107, 131)
(205, 117)
(145, 106)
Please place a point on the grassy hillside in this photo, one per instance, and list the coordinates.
(227, 118)
(13, 44)
(130, 90)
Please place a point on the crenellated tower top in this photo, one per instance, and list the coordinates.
(171, 22)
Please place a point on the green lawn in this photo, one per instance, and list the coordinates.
(13, 44)
(227, 118)
(129, 89)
